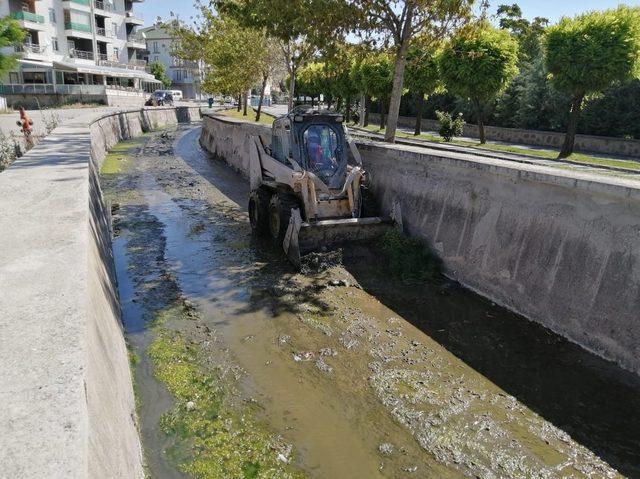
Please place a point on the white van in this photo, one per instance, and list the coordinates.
(177, 95)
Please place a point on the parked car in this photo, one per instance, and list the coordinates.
(160, 98)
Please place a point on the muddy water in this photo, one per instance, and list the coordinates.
(356, 380)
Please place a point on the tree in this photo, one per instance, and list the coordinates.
(374, 78)
(422, 78)
(477, 64)
(10, 34)
(528, 33)
(159, 72)
(400, 22)
(300, 26)
(589, 53)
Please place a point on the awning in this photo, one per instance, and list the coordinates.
(34, 64)
(108, 71)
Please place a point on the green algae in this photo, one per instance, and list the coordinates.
(118, 159)
(212, 440)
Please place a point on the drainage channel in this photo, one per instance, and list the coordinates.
(245, 368)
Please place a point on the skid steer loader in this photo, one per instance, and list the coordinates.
(306, 186)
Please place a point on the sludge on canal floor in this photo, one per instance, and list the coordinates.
(246, 369)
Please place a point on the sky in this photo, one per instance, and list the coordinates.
(551, 9)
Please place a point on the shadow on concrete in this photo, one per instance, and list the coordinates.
(593, 400)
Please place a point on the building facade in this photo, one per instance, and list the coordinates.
(185, 76)
(77, 50)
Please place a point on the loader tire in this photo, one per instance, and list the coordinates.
(259, 211)
(280, 208)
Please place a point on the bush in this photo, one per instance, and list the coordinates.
(449, 127)
(408, 259)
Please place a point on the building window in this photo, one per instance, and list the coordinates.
(116, 52)
(52, 15)
(156, 58)
(155, 49)
(14, 77)
(178, 75)
(54, 44)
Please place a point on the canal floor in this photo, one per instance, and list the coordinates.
(246, 368)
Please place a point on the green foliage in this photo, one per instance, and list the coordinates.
(159, 72)
(408, 259)
(590, 52)
(615, 113)
(478, 63)
(450, 127)
(373, 74)
(422, 74)
(10, 34)
(528, 33)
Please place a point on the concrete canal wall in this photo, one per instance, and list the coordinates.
(68, 406)
(559, 246)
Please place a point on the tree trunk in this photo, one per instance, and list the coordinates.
(239, 103)
(398, 77)
(363, 108)
(419, 108)
(265, 77)
(382, 118)
(572, 128)
(246, 103)
(292, 88)
(479, 113)
(347, 116)
(339, 104)
(367, 107)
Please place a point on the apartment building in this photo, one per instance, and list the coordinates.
(185, 76)
(77, 50)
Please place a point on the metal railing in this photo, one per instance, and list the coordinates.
(50, 89)
(103, 32)
(28, 16)
(30, 48)
(81, 2)
(80, 54)
(100, 5)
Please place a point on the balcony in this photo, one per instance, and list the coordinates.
(105, 8)
(135, 42)
(29, 20)
(133, 18)
(82, 5)
(80, 54)
(78, 27)
(31, 50)
(103, 32)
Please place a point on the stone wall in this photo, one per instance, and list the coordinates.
(68, 406)
(545, 139)
(560, 247)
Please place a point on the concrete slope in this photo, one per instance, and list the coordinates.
(68, 406)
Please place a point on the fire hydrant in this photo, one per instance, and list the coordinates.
(25, 123)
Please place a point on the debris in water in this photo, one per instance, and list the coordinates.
(308, 356)
(284, 339)
(328, 352)
(386, 448)
(322, 366)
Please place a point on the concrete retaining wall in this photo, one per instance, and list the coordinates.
(546, 139)
(560, 247)
(68, 406)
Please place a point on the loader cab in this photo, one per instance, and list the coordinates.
(316, 141)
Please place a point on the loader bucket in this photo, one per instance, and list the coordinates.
(303, 238)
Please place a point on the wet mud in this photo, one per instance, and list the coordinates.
(246, 368)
